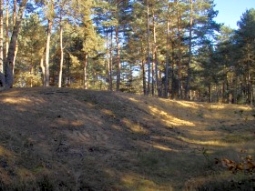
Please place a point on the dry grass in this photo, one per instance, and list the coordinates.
(70, 139)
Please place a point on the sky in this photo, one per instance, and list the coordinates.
(230, 11)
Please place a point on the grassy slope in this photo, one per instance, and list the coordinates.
(63, 139)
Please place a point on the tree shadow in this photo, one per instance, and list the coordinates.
(88, 140)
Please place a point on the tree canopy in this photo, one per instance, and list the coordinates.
(161, 48)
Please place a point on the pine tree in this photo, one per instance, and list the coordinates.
(245, 38)
(10, 61)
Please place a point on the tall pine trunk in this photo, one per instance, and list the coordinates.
(166, 81)
(6, 30)
(43, 69)
(61, 56)
(143, 70)
(144, 78)
(118, 59)
(10, 61)
(109, 66)
(2, 79)
(148, 49)
(47, 52)
(179, 58)
(187, 86)
(155, 61)
(1, 37)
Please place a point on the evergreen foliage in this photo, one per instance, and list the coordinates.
(165, 48)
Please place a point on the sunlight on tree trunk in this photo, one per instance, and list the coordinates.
(43, 69)
(13, 46)
(61, 56)
(1, 38)
(6, 30)
(47, 52)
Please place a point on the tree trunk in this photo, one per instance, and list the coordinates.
(13, 45)
(148, 48)
(209, 93)
(6, 31)
(178, 82)
(31, 76)
(144, 78)
(2, 78)
(47, 52)
(249, 85)
(187, 86)
(166, 82)
(110, 64)
(1, 38)
(118, 59)
(155, 59)
(14, 19)
(61, 56)
(85, 64)
(43, 70)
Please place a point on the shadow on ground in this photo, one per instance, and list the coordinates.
(69, 139)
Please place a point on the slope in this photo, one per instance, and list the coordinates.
(70, 139)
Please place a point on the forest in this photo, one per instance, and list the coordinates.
(125, 95)
(167, 48)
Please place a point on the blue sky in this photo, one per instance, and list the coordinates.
(230, 11)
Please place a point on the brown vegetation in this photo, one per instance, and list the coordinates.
(70, 139)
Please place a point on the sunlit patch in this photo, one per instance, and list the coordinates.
(133, 99)
(179, 122)
(217, 106)
(187, 104)
(16, 100)
(228, 106)
(138, 182)
(198, 133)
(170, 120)
(162, 147)
(207, 143)
(4, 152)
(135, 127)
(77, 123)
(107, 112)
